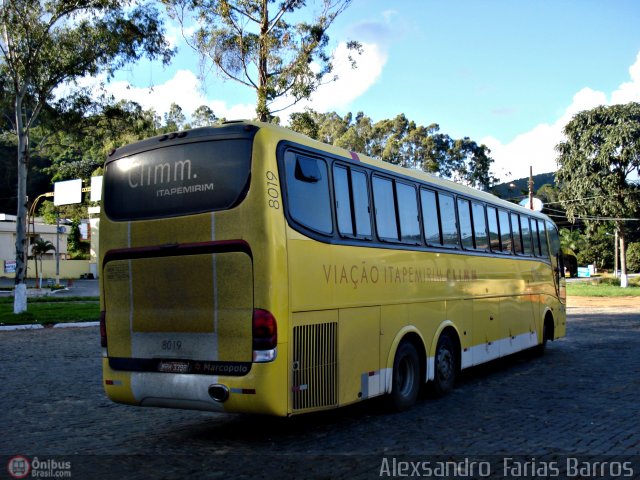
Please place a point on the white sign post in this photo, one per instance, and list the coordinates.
(67, 192)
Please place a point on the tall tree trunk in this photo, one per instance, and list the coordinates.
(35, 261)
(262, 111)
(20, 290)
(624, 281)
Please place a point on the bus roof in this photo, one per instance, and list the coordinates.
(407, 172)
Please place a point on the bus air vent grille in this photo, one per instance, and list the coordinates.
(315, 371)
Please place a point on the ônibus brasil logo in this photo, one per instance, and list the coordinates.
(19, 467)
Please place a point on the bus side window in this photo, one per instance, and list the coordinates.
(464, 218)
(505, 231)
(517, 236)
(479, 226)
(430, 222)
(308, 192)
(494, 232)
(556, 252)
(408, 212)
(361, 208)
(386, 221)
(543, 239)
(343, 200)
(535, 233)
(447, 212)
(526, 235)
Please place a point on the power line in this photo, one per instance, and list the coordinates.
(600, 219)
(588, 198)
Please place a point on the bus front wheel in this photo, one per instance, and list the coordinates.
(445, 366)
(406, 377)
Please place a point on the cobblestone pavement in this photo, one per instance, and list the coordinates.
(581, 398)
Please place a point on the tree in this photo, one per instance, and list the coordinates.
(174, 119)
(596, 248)
(254, 43)
(203, 116)
(44, 45)
(572, 239)
(633, 257)
(40, 247)
(402, 142)
(600, 154)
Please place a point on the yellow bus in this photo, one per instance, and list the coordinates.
(248, 268)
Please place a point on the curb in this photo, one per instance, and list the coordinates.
(76, 324)
(8, 328)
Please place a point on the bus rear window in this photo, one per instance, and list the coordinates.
(178, 180)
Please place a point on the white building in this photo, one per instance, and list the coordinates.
(37, 230)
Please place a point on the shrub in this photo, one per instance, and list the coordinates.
(633, 257)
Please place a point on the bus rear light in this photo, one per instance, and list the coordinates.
(265, 336)
(103, 329)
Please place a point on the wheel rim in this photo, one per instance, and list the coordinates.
(406, 376)
(445, 365)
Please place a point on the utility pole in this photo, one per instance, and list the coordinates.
(57, 247)
(530, 187)
(615, 254)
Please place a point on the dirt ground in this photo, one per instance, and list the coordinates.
(622, 303)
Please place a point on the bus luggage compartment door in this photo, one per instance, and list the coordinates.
(186, 307)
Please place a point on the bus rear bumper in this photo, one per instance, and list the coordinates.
(261, 391)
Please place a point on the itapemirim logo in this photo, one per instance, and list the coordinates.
(19, 467)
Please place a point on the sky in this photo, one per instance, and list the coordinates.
(506, 73)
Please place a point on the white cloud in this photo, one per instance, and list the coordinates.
(351, 82)
(537, 146)
(185, 90)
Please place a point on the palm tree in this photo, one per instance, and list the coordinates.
(39, 248)
(572, 241)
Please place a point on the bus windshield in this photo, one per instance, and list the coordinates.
(180, 179)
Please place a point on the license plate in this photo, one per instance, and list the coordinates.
(173, 367)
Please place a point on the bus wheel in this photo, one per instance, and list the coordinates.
(539, 349)
(445, 366)
(406, 377)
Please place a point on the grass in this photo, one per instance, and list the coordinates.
(48, 311)
(604, 287)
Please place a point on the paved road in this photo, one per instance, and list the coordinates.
(581, 398)
(76, 288)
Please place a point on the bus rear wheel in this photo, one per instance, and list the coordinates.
(406, 377)
(446, 367)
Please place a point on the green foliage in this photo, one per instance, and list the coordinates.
(601, 152)
(597, 160)
(264, 45)
(41, 247)
(572, 239)
(174, 119)
(633, 257)
(49, 212)
(73, 240)
(203, 116)
(78, 146)
(597, 248)
(44, 45)
(402, 142)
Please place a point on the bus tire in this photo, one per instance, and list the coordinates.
(539, 350)
(446, 367)
(405, 377)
